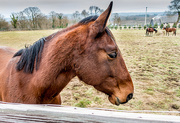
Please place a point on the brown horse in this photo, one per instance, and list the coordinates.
(170, 30)
(150, 31)
(37, 74)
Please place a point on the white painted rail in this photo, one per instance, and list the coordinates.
(12, 112)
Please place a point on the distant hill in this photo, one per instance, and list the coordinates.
(138, 18)
(139, 13)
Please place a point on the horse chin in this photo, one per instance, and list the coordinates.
(114, 100)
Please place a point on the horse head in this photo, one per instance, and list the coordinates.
(155, 30)
(100, 62)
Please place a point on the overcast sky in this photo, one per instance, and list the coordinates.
(69, 6)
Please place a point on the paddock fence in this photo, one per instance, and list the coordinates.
(20, 113)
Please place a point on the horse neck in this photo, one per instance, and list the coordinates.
(57, 64)
(62, 49)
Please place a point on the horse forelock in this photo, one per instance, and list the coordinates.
(107, 30)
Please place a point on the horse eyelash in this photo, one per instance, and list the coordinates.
(112, 55)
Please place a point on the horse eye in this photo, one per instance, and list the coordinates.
(112, 55)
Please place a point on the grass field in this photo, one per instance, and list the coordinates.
(153, 62)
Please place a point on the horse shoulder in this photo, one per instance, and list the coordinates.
(6, 78)
(5, 55)
(13, 87)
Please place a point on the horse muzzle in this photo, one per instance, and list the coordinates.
(117, 101)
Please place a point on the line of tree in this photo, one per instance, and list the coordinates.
(116, 20)
(93, 10)
(32, 18)
(3, 23)
(58, 20)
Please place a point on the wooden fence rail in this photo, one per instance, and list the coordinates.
(12, 112)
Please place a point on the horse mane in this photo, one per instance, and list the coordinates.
(88, 19)
(30, 56)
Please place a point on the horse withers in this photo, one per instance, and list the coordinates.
(38, 73)
(173, 30)
(149, 31)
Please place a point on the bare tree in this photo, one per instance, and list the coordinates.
(42, 21)
(32, 13)
(76, 15)
(3, 23)
(94, 10)
(91, 9)
(116, 19)
(60, 17)
(175, 9)
(22, 21)
(101, 11)
(65, 22)
(84, 13)
(53, 18)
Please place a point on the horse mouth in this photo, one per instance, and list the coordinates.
(116, 100)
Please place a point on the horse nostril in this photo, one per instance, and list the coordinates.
(130, 96)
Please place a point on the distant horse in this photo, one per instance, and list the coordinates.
(38, 73)
(170, 30)
(150, 31)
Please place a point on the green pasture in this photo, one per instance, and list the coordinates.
(153, 63)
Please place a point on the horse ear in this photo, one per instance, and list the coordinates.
(101, 22)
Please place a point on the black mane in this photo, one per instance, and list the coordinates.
(30, 56)
(88, 19)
